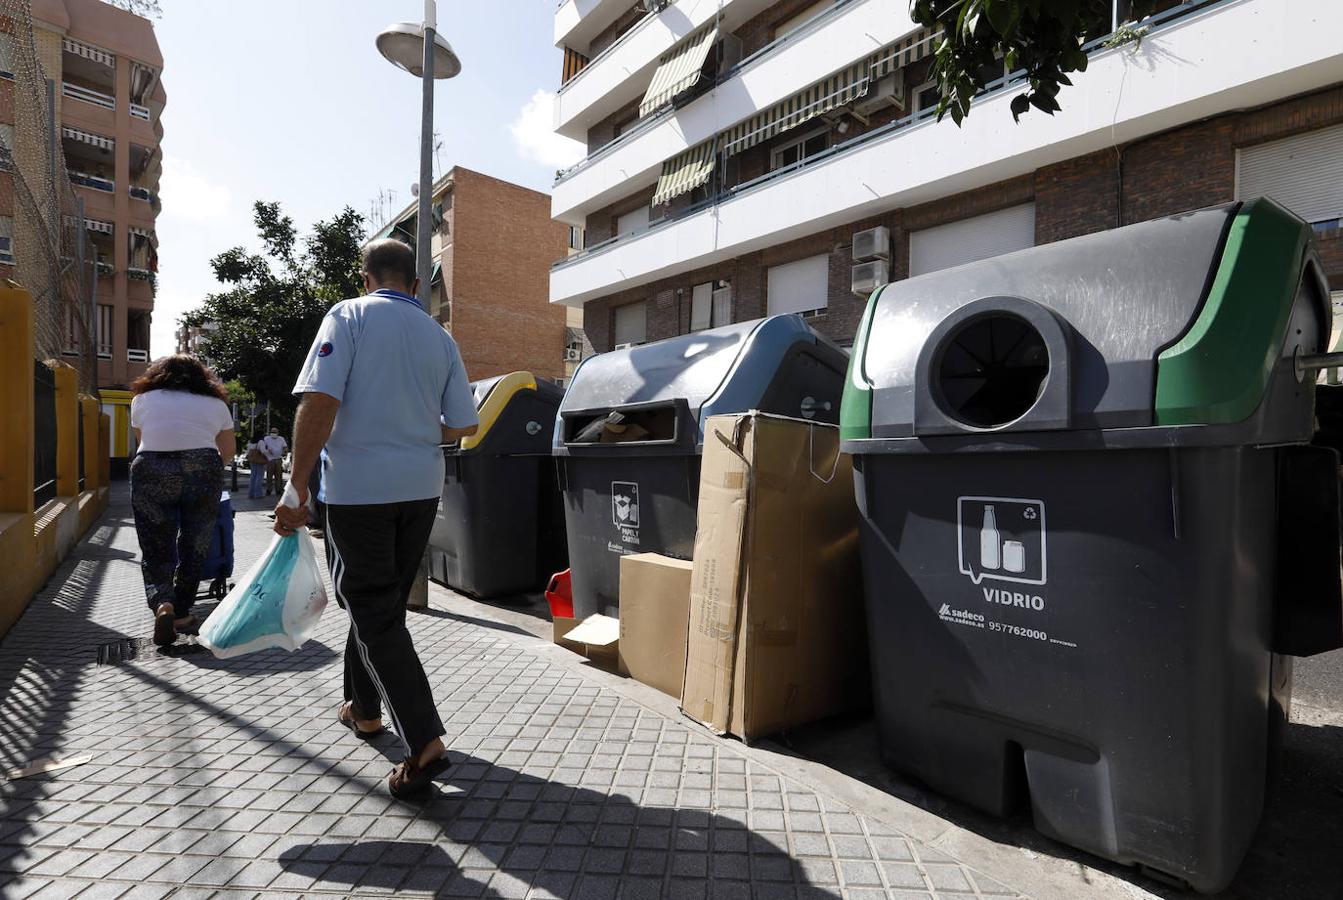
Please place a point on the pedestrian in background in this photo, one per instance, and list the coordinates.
(275, 447)
(256, 466)
(382, 388)
(184, 430)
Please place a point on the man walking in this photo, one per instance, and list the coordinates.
(382, 387)
(274, 447)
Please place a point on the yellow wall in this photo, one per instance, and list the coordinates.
(33, 542)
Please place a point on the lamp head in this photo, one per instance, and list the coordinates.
(403, 46)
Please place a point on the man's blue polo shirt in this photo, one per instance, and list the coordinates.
(397, 374)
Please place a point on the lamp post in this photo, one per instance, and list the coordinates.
(419, 50)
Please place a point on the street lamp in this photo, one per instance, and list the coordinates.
(420, 50)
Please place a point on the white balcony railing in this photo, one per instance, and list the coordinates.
(140, 112)
(1194, 62)
(88, 95)
(137, 356)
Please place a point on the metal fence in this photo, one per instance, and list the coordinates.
(79, 421)
(53, 256)
(44, 434)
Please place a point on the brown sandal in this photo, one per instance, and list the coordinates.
(354, 726)
(408, 779)
(165, 632)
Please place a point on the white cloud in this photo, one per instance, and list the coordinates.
(534, 133)
(190, 195)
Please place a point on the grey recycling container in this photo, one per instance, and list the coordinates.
(629, 435)
(500, 526)
(1093, 526)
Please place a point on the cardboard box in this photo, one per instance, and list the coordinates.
(654, 617)
(596, 638)
(777, 631)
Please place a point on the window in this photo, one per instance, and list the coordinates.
(969, 240)
(7, 55)
(797, 20)
(701, 306)
(799, 287)
(926, 96)
(801, 148)
(631, 323)
(6, 146)
(634, 220)
(575, 237)
(1303, 172)
(7, 240)
(710, 307)
(104, 331)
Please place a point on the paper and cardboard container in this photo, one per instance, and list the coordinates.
(777, 631)
(654, 618)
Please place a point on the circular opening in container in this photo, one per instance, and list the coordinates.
(991, 370)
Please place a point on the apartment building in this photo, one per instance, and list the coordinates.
(493, 243)
(105, 64)
(748, 157)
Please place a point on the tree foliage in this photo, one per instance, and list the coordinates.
(147, 8)
(267, 316)
(1042, 37)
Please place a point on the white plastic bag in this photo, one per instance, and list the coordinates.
(278, 604)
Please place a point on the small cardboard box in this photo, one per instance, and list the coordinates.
(596, 638)
(777, 631)
(654, 616)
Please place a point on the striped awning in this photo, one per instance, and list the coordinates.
(908, 50)
(839, 89)
(91, 225)
(679, 68)
(685, 172)
(88, 51)
(85, 137)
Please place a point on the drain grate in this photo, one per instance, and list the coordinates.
(120, 651)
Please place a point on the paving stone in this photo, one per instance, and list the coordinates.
(227, 778)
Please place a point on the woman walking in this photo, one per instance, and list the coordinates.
(185, 433)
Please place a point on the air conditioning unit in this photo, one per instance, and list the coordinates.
(874, 243)
(888, 91)
(866, 277)
(572, 354)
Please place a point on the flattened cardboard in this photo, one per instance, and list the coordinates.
(654, 617)
(777, 631)
(604, 656)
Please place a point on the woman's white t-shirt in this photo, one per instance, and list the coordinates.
(179, 420)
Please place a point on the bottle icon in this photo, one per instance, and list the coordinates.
(990, 546)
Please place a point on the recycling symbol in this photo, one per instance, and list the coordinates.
(1029, 513)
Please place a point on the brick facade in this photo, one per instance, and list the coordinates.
(499, 243)
(1189, 167)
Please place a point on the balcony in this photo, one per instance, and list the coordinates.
(1198, 60)
(88, 95)
(140, 112)
(577, 22)
(137, 355)
(832, 40)
(96, 182)
(620, 75)
(145, 194)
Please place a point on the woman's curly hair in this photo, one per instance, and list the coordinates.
(180, 372)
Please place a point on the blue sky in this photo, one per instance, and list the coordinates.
(288, 100)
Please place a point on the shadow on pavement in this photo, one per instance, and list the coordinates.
(551, 835)
(1295, 854)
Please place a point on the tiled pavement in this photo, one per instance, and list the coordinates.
(230, 779)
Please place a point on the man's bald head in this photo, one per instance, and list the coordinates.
(390, 263)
